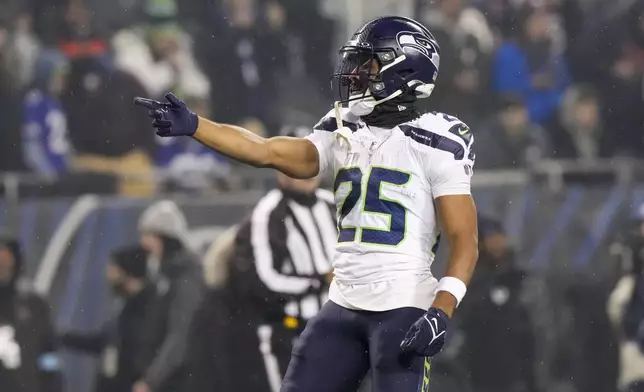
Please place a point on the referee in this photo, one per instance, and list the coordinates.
(280, 272)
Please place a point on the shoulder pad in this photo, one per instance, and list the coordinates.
(444, 123)
(329, 124)
(463, 131)
(443, 132)
(438, 121)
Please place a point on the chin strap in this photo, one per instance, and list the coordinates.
(338, 114)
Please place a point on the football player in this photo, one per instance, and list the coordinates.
(402, 182)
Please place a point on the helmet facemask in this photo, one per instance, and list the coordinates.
(357, 79)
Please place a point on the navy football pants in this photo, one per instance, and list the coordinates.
(338, 347)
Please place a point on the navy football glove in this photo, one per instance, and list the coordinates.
(171, 118)
(426, 336)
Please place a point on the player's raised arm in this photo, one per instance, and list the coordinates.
(294, 157)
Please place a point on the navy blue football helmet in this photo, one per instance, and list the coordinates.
(387, 57)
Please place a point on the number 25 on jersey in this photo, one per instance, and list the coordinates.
(372, 202)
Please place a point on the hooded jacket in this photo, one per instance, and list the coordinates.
(179, 290)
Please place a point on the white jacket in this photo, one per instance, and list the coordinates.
(217, 258)
(133, 55)
(631, 359)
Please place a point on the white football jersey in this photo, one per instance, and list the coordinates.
(385, 184)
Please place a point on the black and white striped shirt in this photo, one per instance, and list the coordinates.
(290, 239)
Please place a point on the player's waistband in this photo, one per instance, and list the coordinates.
(352, 269)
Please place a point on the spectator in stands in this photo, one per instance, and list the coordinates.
(572, 16)
(530, 65)
(460, 18)
(10, 152)
(510, 140)
(466, 47)
(309, 29)
(45, 140)
(159, 53)
(612, 54)
(63, 22)
(25, 45)
(626, 308)
(75, 28)
(47, 16)
(119, 341)
(497, 13)
(497, 289)
(28, 358)
(579, 133)
(178, 279)
(107, 135)
(247, 90)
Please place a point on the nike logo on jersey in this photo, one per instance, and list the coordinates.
(463, 132)
(433, 325)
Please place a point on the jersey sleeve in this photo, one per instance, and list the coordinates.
(452, 175)
(322, 137)
(323, 141)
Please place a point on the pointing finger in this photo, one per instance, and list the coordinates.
(149, 103)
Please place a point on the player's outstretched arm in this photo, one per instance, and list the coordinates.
(457, 214)
(294, 157)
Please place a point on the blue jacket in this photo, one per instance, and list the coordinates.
(186, 152)
(45, 142)
(511, 74)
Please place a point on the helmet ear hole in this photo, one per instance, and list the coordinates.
(405, 72)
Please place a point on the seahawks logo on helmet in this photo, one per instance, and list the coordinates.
(415, 41)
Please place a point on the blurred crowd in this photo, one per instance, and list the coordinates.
(535, 79)
(550, 79)
(70, 69)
